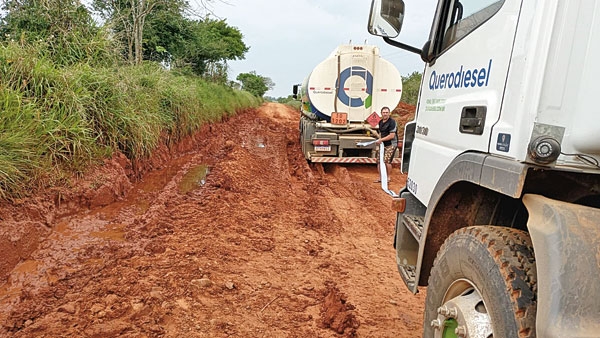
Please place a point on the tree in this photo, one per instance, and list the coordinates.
(204, 46)
(214, 43)
(255, 84)
(410, 88)
(286, 99)
(162, 32)
(166, 31)
(129, 17)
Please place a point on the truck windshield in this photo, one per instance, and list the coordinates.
(466, 15)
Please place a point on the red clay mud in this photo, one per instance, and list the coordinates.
(228, 234)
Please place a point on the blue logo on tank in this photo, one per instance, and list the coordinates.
(354, 101)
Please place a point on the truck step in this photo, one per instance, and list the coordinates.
(414, 224)
(408, 274)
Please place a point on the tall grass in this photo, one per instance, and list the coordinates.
(20, 151)
(56, 119)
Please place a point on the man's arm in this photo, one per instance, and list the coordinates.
(389, 137)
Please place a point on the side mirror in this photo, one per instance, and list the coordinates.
(386, 18)
(295, 92)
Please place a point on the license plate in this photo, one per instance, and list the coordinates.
(322, 148)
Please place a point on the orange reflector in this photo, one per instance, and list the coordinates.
(399, 204)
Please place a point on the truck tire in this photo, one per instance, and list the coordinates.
(482, 285)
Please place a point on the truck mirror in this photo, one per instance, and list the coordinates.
(295, 92)
(386, 18)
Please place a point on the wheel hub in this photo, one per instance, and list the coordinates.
(464, 315)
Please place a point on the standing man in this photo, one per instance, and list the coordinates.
(388, 131)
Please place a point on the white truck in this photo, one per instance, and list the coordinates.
(500, 214)
(341, 103)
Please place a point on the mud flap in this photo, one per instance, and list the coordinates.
(566, 241)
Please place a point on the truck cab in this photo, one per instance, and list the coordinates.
(499, 217)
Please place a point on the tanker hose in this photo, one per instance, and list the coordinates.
(353, 130)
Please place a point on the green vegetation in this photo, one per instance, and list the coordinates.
(410, 88)
(289, 101)
(69, 97)
(255, 84)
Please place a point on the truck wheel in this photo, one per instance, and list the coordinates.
(302, 127)
(483, 285)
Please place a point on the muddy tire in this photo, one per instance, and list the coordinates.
(482, 284)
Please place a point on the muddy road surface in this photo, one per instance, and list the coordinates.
(237, 236)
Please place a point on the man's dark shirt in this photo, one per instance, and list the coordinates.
(386, 128)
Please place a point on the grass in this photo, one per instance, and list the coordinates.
(57, 119)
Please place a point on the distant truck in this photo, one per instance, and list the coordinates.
(341, 102)
(500, 215)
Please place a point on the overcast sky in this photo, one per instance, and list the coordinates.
(287, 39)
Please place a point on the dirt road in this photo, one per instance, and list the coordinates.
(237, 236)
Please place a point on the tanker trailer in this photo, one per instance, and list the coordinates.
(341, 103)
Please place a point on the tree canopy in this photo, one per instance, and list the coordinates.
(255, 84)
(203, 46)
(159, 30)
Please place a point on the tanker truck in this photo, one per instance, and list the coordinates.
(341, 101)
(500, 215)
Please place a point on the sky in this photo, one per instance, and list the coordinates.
(287, 39)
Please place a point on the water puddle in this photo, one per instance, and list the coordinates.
(140, 198)
(260, 142)
(115, 232)
(156, 180)
(22, 272)
(193, 179)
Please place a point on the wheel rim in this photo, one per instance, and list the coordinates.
(463, 313)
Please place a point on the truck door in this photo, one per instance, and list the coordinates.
(469, 52)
